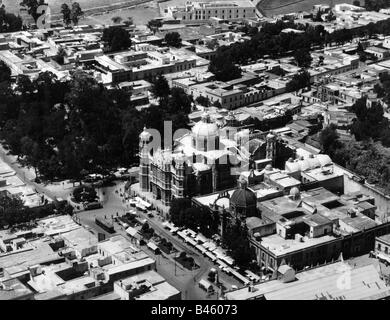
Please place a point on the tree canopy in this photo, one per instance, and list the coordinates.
(62, 128)
(66, 14)
(299, 81)
(224, 68)
(9, 22)
(237, 241)
(303, 58)
(76, 13)
(116, 38)
(173, 39)
(5, 72)
(183, 214)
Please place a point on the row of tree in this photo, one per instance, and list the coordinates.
(366, 158)
(235, 237)
(9, 22)
(367, 154)
(13, 212)
(270, 41)
(71, 15)
(237, 241)
(376, 5)
(183, 214)
(69, 129)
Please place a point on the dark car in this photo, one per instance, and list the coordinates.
(93, 205)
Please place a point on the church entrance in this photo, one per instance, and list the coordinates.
(158, 195)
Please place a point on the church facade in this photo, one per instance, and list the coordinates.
(208, 159)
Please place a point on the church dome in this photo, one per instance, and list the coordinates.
(205, 128)
(294, 192)
(243, 198)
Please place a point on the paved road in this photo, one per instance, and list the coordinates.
(178, 276)
(204, 263)
(22, 174)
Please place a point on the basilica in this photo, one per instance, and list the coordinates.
(208, 159)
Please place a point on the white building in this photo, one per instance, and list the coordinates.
(203, 11)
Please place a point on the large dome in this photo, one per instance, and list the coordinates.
(205, 128)
(243, 198)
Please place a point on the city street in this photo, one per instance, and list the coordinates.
(183, 279)
(113, 205)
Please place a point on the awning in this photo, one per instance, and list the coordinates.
(152, 246)
(192, 242)
(131, 231)
(211, 256)
(143, 202)
(200, 248)
(205, 284)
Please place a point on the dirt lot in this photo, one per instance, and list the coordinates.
(275, 7)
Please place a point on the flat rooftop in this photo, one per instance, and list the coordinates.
(280, 246)
(14, 290)
(20, 261)
(324, 283)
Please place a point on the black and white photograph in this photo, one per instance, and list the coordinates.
(189, 155)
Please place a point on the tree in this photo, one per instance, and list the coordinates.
(356, 3)
(224, 68)
(61, 54)
(203, 101)
(177, 210)
(116, 38)
(299, 81)
(24, 85)
(212, 44)
(329, 139)
(32, 151)
(76, 13)
(129, 21)
(173, 39)
(66, 14)
(303, 58)
(5, 72)
(154, 25)
(160, 88)
(211, 276)
(32, 7)
(8, 21)
(116, 19)
(237, 241)
(145, 228)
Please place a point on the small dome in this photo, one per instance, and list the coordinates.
(205, 128)
(145, 135)
(268, 167)
(290, 159)
(294, 192)
(270, 135)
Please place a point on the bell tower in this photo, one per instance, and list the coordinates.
(144, 153)
(271, 146)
